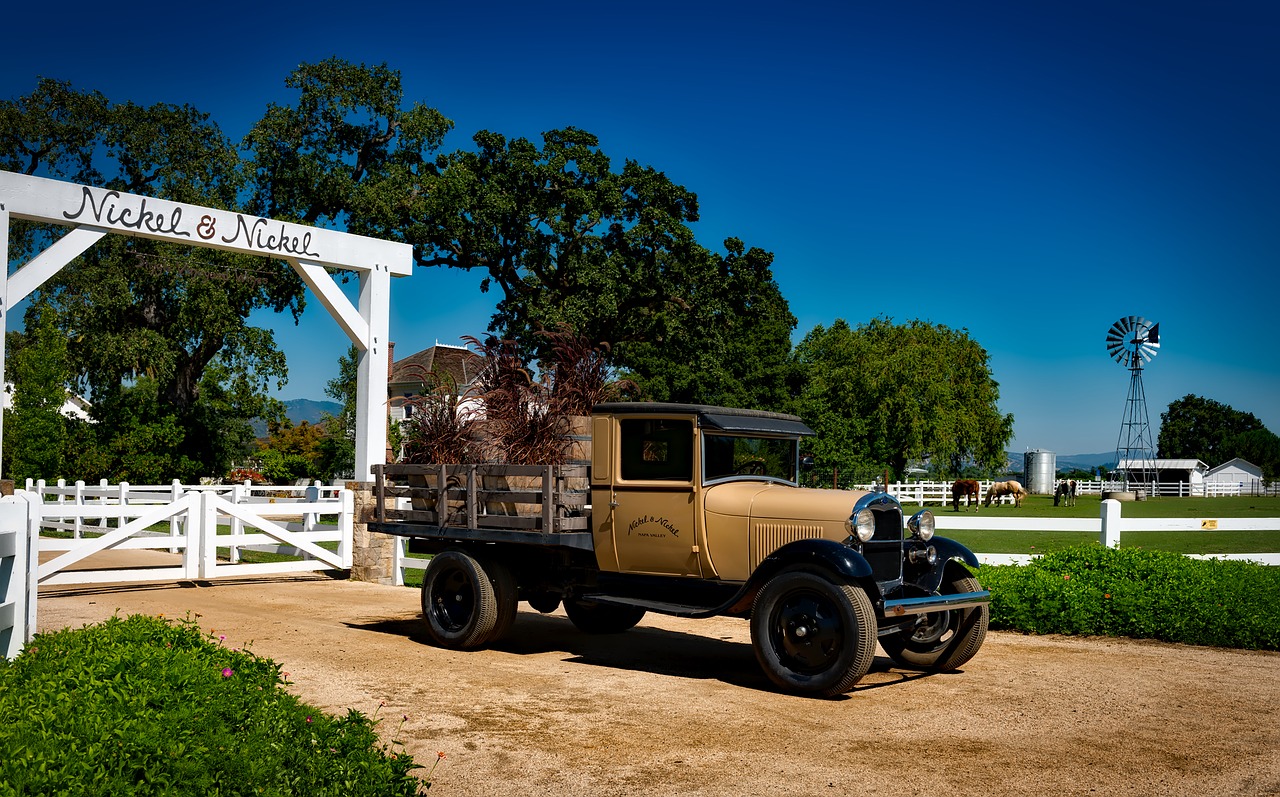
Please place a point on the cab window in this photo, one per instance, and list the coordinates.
(657, 449)
(727, 456)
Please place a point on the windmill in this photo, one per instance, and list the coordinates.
(1133, 341)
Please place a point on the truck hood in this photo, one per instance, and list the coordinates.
(764, 501)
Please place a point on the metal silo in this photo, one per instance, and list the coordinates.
(1041, 471)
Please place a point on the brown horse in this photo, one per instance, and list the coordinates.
(1066, 493)
(966, 488)
(1011, 487)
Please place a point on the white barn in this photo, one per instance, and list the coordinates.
(1238, 474)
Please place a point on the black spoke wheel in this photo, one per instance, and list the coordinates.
(943, 640)
(811, 635)
(601, 618)
(458, 601)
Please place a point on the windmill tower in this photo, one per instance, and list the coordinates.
(1133, 341)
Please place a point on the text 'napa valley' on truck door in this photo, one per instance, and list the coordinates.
(654, 519)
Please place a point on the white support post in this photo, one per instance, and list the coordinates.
(371, 372)
(1110, 523)
(4, 300)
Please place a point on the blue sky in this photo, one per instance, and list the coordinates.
(1030, 172)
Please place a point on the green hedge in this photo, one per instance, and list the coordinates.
(143, 706)
(1133, 592)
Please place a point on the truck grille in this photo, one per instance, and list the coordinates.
(884, 551)
(769, 537)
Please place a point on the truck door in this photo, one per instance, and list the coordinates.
(653, 506)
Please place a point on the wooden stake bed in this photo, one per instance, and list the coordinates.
(537, 499)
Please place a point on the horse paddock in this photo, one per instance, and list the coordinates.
(681, 707)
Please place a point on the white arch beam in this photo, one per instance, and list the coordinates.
(93, 212)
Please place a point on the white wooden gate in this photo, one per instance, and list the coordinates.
(200, 524)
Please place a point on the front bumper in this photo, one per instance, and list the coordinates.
(900, 607)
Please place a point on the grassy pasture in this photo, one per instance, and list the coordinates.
(1088, 506)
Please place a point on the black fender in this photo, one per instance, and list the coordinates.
(819, 555)
(948, 549)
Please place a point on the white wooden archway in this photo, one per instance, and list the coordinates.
(95, 212)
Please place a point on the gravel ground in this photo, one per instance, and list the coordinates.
(680, 707)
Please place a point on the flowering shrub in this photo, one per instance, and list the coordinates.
(1133, 592)
(241, 475)
(147, 706)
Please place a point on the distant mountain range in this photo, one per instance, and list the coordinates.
(299, 410)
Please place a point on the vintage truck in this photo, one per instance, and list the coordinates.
(693, 511)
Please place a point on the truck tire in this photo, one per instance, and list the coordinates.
(601, 618)
(505, 595)
(458, 601)
(943, 640)
(813, 636)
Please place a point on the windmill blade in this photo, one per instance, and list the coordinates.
(1153, 335)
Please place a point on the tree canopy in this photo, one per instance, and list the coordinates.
(571, 238)
(157, 334)
(882, 394)
(1194, 427)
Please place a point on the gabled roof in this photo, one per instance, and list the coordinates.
(1238, 464)
(457, 363)
(1164, 464)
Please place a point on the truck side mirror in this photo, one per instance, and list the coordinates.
(806, 462)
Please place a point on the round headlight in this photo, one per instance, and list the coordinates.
(922, 524)
(864, 525)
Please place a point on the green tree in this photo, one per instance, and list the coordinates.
(35, 430)
(1194, 427)
(564, 237)
(883, 394)
(345, 153)
(151, 324)
(610, 254)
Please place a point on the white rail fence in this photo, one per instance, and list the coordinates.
(924, 493)
(207, 526)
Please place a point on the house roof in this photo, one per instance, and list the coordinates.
(1238, 464)
(456, 363)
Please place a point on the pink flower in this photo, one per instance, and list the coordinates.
(227, 672)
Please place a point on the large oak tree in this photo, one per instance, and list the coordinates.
(881, 394)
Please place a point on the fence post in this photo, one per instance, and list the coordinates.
(103, 485)
(309, 518)
(346, 526)
(79, 502)
(17, 609)
(1110, 523)
(205, 529)
(192, 522)
(239, 495)
(175, 492)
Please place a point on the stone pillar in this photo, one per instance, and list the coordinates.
(373, 555)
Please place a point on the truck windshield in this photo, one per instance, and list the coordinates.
(729, 456)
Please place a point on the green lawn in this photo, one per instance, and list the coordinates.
(1201, 542)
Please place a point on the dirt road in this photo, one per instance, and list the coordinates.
(680, 707)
